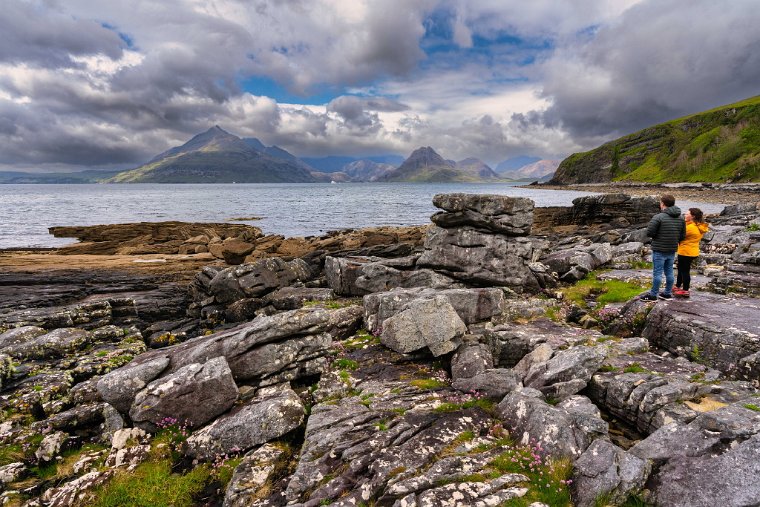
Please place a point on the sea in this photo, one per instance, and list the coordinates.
(290, 209)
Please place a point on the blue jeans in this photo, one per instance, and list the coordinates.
(662, 262)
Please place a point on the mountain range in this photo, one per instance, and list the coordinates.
(216, 156)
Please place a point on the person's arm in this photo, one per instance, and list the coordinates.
(682, 232)
(654, 226)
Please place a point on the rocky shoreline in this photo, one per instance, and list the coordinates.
(486, 359)
(721, 193)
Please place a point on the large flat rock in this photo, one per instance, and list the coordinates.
(716, 330)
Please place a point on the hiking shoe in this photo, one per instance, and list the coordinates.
(664, 296)
(680, 293)
(648, 297)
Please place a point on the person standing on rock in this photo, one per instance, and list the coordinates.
(688, 250)
(667, 229)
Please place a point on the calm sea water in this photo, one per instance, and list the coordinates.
(26, 211)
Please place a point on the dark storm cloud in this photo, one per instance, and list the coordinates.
(34, 33)
(660, 60)
(361, 111)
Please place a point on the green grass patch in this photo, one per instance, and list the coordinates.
(11, 453)
(483, 403)
(547, 477)
(428, 383)
(152, 484)
(602, 291)
(635, 368)
(346, 364)
(752, 406)
(754, 227)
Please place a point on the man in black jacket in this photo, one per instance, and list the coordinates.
(666, 229)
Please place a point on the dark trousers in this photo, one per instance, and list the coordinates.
(683, 279)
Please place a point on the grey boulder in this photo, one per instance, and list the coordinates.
(262, 419)
(431, 323)
(604, 469)
(193, 395)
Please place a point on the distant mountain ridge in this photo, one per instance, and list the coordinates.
(719, 145)
(536, 171)
(426, 165)
(515, 163)
(336, 163)
(216, 156)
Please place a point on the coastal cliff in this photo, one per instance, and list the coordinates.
(719, 145)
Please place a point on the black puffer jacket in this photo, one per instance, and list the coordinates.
(667, 229)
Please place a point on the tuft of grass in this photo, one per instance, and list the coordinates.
(607, 368)
(428, 383)
(753, 227)
(752, 406)
(635, 368)
(11, 453)
(346, 364)
(152, 484)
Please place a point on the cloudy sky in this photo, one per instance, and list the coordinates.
(90, 84)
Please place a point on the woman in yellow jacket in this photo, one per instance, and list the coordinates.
(688, 250)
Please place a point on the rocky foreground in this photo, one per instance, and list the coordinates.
(468, 366)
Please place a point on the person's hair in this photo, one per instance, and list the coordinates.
(697, 215)
(668, 200)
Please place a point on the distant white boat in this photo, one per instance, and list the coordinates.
(333, 182)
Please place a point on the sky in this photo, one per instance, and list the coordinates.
(91, 84)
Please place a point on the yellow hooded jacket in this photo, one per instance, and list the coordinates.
(689, 247)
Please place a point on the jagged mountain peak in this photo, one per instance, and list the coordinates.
(425, 156)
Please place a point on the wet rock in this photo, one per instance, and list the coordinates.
(194, 394)
(605, 469)
(493, 213)
(260, 420)
(431, 323)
